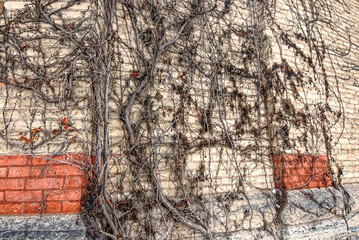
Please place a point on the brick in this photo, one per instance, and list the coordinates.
(45, 183)
(3, 172)
(70, 158)
(315, 184)
(321, 164)
(47, 207)
(79, 157)
(9, 208)
(15, 160)
(19, 171)
(23, 196)
(321, 170)
(12, 184)
(66, 170)
(27, 171)
(2, 194)
(294, 178)
(74, 182)
(40, 160)
(302, 172)
(63, 195)
(291, 185)
(304, 165)
(308, 170)
(71, 207)
(40, 171)
(298, 169)
(304, 178)
(58, 159)
(321, 158)
(292, 172)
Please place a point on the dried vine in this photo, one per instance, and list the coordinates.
(187, 107)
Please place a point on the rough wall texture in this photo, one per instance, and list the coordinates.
(28, 183)
(296, 171)
(43, 184)
(42, 227)
(42, 151)
(339, 66)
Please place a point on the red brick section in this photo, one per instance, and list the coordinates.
(41, 184)
(299, 171)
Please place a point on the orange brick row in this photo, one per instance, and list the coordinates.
(299, 171)
(41, 184)
(40, 208)
(40, 160)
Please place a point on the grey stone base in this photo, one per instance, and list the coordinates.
(42, 227)
(306, 219)
(302, 217)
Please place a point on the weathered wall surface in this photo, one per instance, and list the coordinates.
(203, 147)
(42, 143)
(42, 227)
(337, 89)
(338, 85)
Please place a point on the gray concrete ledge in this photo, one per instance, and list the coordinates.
(304, 218)
(64, 226)
(308, 219)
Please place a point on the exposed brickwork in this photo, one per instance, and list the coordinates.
(40, 185)
(16, 160)
(25, 182)
(70, 207)
(50, 207)
(10, 208)
(298, 171)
